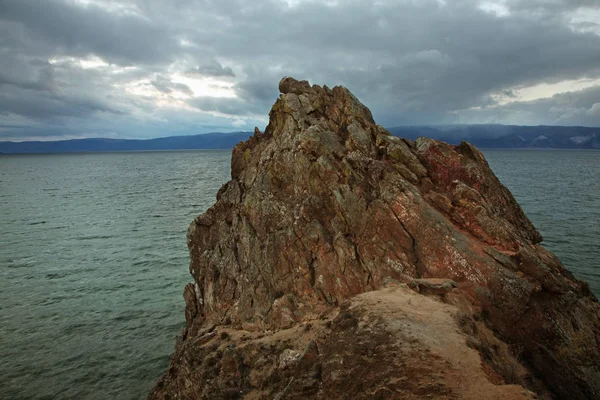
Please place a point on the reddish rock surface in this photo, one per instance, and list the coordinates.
(326, 205)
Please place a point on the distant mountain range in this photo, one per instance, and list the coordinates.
(483, 136)
(508, 136)
(203, 141)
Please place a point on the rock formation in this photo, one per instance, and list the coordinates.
(343, 262)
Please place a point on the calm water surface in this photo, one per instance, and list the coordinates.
(92, 268)
(93, 258)
(559, 190)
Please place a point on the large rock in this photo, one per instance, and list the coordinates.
(326, 205)
(385, 344)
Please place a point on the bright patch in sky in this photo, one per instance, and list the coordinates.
(93, 62)
(543, 90)
(497, 7)
(85, 63)
(139, 88)
(206, 86)
(585, 20)
(113, 7)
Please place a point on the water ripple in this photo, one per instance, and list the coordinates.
(92, 268)
(91, 299)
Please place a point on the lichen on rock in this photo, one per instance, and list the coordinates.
(326, 205)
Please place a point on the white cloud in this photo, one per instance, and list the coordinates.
(89, 62)
(542, 90)
(585, 20)
(495, 7)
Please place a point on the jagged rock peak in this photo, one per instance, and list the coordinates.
(291, 85)
(308, 104)
(326, 205)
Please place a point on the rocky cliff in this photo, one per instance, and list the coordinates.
(343, 262)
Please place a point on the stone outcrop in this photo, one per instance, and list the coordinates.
(325, 206)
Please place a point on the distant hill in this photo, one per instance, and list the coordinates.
(484, 136)
(204, 141)
(508, 136)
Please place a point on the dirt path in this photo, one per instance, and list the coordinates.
(424, 324)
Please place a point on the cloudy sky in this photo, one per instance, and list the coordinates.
(148, 68)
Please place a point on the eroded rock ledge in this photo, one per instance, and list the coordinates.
(325, 206)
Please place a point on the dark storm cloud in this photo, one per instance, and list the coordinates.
(167, 86)
(411, 62)
(55, 27)
(50, 106)
(422, 61)
(29, 88)
(260, 86)
(213, 68)
(225, 105)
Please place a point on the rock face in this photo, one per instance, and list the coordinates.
(325, 206)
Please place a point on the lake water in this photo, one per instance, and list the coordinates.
(93, 257)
